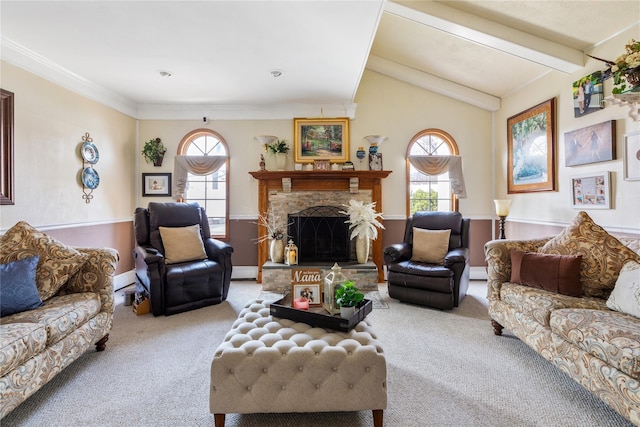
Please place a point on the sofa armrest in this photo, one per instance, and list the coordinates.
(397, 252)
(218, 250)
(498, 258)
(96, 275)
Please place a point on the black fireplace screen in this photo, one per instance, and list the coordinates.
(321, 234)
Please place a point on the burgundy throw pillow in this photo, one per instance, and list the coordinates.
(554, 273)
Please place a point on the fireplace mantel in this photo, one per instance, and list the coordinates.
(292, 181)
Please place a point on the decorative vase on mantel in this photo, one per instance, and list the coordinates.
(281, 161)
(276, 250)
(362, 249)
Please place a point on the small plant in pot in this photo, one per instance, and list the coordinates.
(348, 296)
(153, 151)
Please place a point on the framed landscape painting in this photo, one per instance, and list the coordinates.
(321, 139)
(531, 149)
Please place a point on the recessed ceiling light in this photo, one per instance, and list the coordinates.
(276, 73)
(164, 73)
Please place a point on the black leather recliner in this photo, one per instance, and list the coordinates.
(439, 286)
(174, 288)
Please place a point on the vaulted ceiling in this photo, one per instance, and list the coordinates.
(178, 59)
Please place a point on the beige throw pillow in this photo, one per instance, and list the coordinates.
(182, 244)
(602, 254)
(626, 295)
(430, 246)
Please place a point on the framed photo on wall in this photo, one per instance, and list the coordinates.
(591, 191)
(591, 144)
(156, 184)
(321, 139)
(531, 149)
(632, 156)
(588, 94)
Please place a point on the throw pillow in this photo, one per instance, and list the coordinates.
(430, 246)
(602, 254)
(182, 244)
(58, 262)
(18, 291)
(626, 295)
(553, 273)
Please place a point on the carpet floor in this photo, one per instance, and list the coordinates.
(445, 368)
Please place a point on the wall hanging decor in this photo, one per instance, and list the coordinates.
(591, 144)
(156, 184)
(321, 139)
(632, 156)
(591, 191)
(531, 149)
(88, 175)
(588, 94)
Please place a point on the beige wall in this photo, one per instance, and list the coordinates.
(554, 207)
(50, 122)
(385, 106)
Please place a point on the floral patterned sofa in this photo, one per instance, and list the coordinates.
(592, 334)
(73, 309)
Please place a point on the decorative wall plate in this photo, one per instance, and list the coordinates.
(90, 178)
(90, 153)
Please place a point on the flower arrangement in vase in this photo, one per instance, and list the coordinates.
(276, 234)
(364, 224)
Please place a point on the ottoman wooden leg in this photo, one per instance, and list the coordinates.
(218, 420)
(377, 417)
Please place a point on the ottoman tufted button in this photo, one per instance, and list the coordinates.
(367, 369)
(350, 385)
(349, 353)
(231, 371)
(249, 388)
(299, 368)
(284, 387)
(317, 386)
(334, 369)
(265, 370)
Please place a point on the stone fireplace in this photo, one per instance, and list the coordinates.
(285, 195)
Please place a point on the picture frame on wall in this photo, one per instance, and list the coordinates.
(375, 161)
(321, 139)
(591, 191)
(531, 149)
(156, 184)
(632, 156)
(588, 94)
(591, 144)
(321, 165)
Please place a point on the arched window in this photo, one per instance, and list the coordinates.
(430, 192)
(205, 159)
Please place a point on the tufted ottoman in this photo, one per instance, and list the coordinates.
(270, 365)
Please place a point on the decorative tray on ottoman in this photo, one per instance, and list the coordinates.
(318, 316)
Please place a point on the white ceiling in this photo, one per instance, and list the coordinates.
(221, 53)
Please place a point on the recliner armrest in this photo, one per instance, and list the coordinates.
(456, 256)
(217, 249)
(397, 252)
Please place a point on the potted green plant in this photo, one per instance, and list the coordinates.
(280, 149)
(348, 296)
(153, 151)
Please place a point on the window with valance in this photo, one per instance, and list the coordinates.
(434, 172)
(201, 175)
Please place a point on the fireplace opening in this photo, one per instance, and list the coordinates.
(321, 234)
